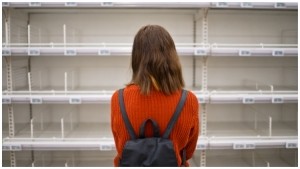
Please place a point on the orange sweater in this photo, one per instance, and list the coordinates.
(159, 107)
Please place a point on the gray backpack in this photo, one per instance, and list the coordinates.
(153, 151)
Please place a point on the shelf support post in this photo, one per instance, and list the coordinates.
(204, 84)
(11, 121)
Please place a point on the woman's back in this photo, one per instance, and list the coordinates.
(160, 107)
(154, 92)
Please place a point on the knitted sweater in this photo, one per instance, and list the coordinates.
(159, 107)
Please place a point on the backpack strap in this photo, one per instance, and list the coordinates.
(125, 117)
(175, 115)
(154, 125)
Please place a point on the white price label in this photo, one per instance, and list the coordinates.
(33, 52)
(103, 52)
(5, 148)
(200, 52)
(237, 146)
(201, 147)
(249, 146)
(105, 147)
(75, 100)
(6, 52)
(246, 5)
(280, 5)
(35, 4)
(15, 147)
(201, 99)
(291, 145)
(70, 4)
(277, 53)
(277, 100)
(6, 100)
(36, 100)
(244, 52)
(70, 52)
(222, 4)
(248, 100)
(5, 3)
(107, 4)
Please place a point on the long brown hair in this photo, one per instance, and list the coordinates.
(155, 63)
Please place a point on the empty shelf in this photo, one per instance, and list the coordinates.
(96, 97)
(54, 130)
(63, 159)
(228, 5)
(248, 158)
(99, 137)
(248, 129)
(124, 49)
(107, 144)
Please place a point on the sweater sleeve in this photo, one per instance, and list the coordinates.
(193, 137)
(114, 111)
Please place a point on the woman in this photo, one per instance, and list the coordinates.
(154, 92)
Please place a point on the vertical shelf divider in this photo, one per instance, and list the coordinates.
(204, 84)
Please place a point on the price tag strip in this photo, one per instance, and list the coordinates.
(75, 100)
(200, 52)
(277, 53)
(36, 100)
(104, 52)
(71, 4)
(277, 100)
(35, 4)
(6, 100)
(33, 52)
(248, 100)
(239, 146)
(70, 52)
(6, 52)
(244, 52)
(106, 147)
(291, 145)
(13, 147)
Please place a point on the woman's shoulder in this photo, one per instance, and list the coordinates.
(127, 89)
(193, 101)
(192, 96)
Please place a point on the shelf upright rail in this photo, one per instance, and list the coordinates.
(204, 84)
(9, 83)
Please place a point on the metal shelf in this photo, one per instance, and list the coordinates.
(247, 142)
(107, 144)
(193, 5)
(98, 136)
(124, 49)
(96, 97)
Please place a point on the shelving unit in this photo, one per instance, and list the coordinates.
(61, 63)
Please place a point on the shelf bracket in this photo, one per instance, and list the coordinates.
(66, 82)
(62, 128)
(270, 126)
